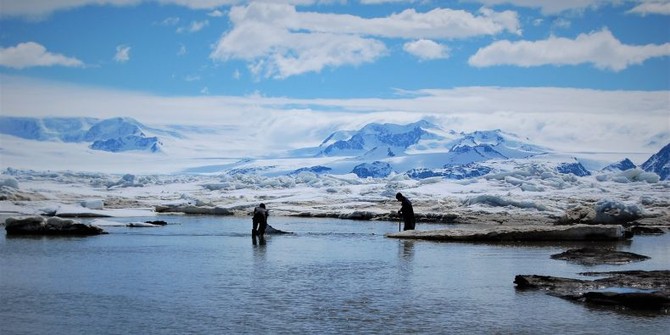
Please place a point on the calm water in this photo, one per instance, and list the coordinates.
(203, 275)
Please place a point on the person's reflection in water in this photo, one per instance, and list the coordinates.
(405, 267)
(407, 250)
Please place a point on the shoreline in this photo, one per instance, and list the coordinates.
(479, 201)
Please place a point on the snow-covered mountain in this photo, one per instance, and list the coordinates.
(494, 144)
(417, 150)
(659, 163)
(622, 165)
(113, 135)
(378, 140)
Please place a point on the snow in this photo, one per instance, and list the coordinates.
(488, 172)
(517, 192)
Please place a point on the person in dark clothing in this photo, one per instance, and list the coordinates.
(260, 221)
(406, 211)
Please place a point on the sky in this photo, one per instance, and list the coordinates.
(576, 74)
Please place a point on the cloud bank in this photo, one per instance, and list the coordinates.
(279, 41)
(562, 118)
(601, 49)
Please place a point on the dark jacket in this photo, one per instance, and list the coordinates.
(407, 212)
(260, 220)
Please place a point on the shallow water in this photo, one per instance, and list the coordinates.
(203, 275)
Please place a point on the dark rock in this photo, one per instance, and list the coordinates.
(635, 300)
(375, 169)
(38, 225)
(269, 230)
(642, 230)
(358, 215)
(314, 169)
(649, 290)
(436, 217)
(195, 210)
(573, 168)
(157, 222)
(594, 256)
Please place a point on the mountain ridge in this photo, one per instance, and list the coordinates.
(113, 135)
(420, 149)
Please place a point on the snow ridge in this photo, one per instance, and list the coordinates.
(113, 135)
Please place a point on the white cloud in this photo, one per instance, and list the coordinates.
(562, 23)
(122, 53)
(277, 41)
(376, 2)
(548, 7)
(170, 21)
(600, 48)
(661, 7)
(439, 23)
(215, 13)
(31, 54)
(426, 49)
(41, 8)
(194, 27)
(182, 50)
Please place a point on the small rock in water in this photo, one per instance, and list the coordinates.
(594, 256)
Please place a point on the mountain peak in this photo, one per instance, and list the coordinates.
(623, 165)
(659, 163)
(507, 145)
(395, 137)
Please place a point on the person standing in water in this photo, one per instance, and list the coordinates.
(260, 221)
(406, 211)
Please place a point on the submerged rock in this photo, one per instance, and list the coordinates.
(594, 256)
(37, 225)
(273, 231)
(157, 222)
(194, 210)
(647, 230)
(648, 290)
(519, 233)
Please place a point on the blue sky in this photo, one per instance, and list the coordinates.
(337, 50)
(376, 60)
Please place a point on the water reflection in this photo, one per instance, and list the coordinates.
(406, 250)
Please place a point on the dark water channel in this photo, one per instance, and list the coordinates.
(203, 275)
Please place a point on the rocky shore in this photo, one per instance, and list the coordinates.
(54, 226)
(519, 233)
(638, 290)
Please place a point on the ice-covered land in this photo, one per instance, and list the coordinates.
(478, 177)
(524, 193)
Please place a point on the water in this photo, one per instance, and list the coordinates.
(203, 275)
